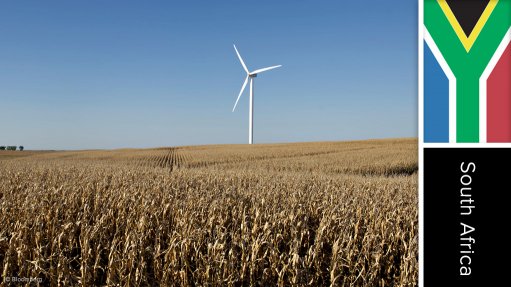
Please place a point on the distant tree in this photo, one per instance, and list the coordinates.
(21, 148)
(2, 147)
(12, 147)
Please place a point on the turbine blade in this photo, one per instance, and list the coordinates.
(265, 69)
(241, 92)
(241, 60)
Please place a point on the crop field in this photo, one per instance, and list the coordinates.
(301, 214)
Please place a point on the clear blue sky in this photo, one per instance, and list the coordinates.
(112, 74)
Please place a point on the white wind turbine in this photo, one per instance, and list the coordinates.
(250, 75)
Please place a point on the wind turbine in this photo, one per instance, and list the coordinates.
(251, 76)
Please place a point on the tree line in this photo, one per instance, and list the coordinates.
(12, 147)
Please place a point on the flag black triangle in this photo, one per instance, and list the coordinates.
(467, 12)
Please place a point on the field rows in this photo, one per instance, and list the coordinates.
(311, 214)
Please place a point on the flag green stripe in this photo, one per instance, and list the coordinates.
(467, 110)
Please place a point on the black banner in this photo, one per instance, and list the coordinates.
(466, 216)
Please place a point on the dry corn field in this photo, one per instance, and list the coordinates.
(304, 214)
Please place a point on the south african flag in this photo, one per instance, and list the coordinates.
(467, 71)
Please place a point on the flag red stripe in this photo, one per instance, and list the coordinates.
(499, 100)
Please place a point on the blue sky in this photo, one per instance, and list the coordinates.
(112, 74)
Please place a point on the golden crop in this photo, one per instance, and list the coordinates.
(327, 214)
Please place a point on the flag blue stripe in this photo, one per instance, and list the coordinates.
(436, 100)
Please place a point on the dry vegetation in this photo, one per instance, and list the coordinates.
(339, 214)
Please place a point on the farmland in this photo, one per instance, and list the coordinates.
(320, 214)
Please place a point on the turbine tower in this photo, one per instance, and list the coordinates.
(251, 76)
